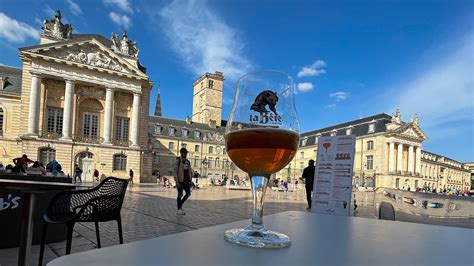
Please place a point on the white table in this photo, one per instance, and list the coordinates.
(30, 189)
(318, 239)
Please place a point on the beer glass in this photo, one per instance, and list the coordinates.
(262, 136)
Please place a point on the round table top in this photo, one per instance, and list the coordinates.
(37, 186)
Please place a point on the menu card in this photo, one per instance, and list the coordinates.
(333, 175)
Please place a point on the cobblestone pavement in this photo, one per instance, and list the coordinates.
(150, 211)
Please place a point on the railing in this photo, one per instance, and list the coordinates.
(89, 139)
(119, 142)
(50, 135)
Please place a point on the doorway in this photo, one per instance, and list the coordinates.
(86, 163)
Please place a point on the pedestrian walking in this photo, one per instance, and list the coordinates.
(77, 173)
(131, 177)
(96, 175)
(182, 178)
(308, 176)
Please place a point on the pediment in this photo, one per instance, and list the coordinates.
(413, 132)
(89, 53)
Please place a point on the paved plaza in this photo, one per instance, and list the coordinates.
(150, 211)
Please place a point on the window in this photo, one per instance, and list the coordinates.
(370, 162)
(120, 162)
(302, 154)
(218, 164)
(397, 183)
(91, 125)
(224, 151)
(370, 145)
(1, 122)
(172, 130)
(334, 132)
(224, 163)
(121, 128)
(196, 160)
(349, 131)
(211, 84)
(158, 129)
(55, 120)
(46, 155)
(197, 134)
(171, 146)
(303, 141)
(302, 165)
(211, 149)
(210, 162)
(184, 132)
(371, 127)
(197, 148)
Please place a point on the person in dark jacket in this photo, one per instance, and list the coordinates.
(308, 176)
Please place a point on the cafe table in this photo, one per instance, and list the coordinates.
(29, 190)
(317, 239)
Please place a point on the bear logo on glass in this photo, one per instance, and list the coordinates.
(265, 98)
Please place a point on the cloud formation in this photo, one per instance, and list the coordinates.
(121, 20)
(339, 96)
(315, 69)
(305, 86)
(329, 106)
(123, 5)
(203, 41)
(443, 92)
(13, 30)
(74, 8)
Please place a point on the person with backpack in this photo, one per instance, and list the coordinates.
(183, 176)
(77, 173)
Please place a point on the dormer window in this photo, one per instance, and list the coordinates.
(158, 129)
(349, 130)
(184, 132)
(371, 127)
(303, 141)
(172, 131)
(316, 138)
(333, 132)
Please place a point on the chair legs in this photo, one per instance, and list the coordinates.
(119, 225)
(70, 228)
(97, 233)
(43, 242)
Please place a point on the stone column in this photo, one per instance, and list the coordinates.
(33, 114)
(109, 105)
(411, 159)
(68, 109)
(400, 157)
(391, 160)
(418, 160)
(135, 119)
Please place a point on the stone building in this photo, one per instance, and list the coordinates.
(78, 98)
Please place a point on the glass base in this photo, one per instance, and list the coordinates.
(257, 237)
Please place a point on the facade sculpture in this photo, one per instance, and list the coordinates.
(125, 46)
(56, 29)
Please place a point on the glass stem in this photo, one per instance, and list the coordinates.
(259, 187)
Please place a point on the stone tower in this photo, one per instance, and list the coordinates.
(207, 99)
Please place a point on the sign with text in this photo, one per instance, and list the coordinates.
(333, 175)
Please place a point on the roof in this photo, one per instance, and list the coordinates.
(12, 79)
(360, 127)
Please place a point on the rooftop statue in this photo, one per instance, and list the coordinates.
(56, 29)
(125, 46)
(397, 117)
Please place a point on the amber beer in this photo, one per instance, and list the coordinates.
(261, 151)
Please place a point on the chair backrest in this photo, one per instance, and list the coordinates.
(112, 186)
(386, 211)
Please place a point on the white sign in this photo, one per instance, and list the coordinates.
(333, 175)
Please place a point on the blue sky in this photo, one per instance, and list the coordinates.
(350, 59)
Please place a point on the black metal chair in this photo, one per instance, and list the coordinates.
(100, 204)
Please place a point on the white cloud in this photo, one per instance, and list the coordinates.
(121, 20)
(123, 5)
(316, 69)
(15, 31)
(330, 106)
(340, 95)
(203, 41)
(306, 86)
(443, 92)
(49, 12)
(74, 8)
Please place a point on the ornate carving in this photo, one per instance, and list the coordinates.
(397, 117)
(125, 46)
(56, 29)
(97, 59)
(414, 120)
(90, 92)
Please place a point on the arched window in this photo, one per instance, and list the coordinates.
(1, 121)
(46, 155)
(120, 162)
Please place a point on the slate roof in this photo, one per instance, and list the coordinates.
(13, 75)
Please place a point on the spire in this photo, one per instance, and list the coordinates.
(158, 102)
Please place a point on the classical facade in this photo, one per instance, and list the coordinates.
(78, 98)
